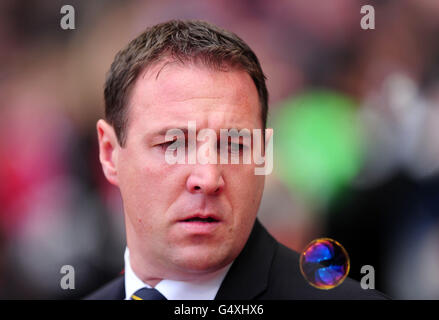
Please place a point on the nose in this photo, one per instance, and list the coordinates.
(206, 179)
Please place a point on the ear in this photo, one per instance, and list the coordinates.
(108, 150)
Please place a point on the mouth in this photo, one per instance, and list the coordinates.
(200, 219)
(200, 224)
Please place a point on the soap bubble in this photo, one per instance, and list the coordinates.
(324, 263)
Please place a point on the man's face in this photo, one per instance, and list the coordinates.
(159, 197)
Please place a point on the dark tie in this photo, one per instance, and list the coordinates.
(147, 294)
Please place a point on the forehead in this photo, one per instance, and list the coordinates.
(169, 94)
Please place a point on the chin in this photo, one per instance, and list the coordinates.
(204, 260)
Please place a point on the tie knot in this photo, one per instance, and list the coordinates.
(147, 294)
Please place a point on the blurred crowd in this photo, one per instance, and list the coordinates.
(355, 115)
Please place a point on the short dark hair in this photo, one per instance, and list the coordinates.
(188, 40)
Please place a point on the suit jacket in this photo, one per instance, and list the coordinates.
(265, 269)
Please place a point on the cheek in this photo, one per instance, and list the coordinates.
(149, 185)
(245, 191)
(141, 184)
(140, 171)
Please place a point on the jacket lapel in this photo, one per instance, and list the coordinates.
(249, 274)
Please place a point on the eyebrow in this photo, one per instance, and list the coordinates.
(163, 131)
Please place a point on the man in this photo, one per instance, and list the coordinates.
(191, 228)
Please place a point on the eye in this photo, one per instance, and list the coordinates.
(171, 145)
(236, 147)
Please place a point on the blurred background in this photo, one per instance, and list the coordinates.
(356, 135)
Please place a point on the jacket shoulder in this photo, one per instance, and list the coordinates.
(113, 290)
(287, 282)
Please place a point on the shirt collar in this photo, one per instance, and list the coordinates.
(205, 289)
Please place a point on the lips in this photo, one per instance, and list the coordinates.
(200, 224)
(209, 218)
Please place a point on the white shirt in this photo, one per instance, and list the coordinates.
(205, 289)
